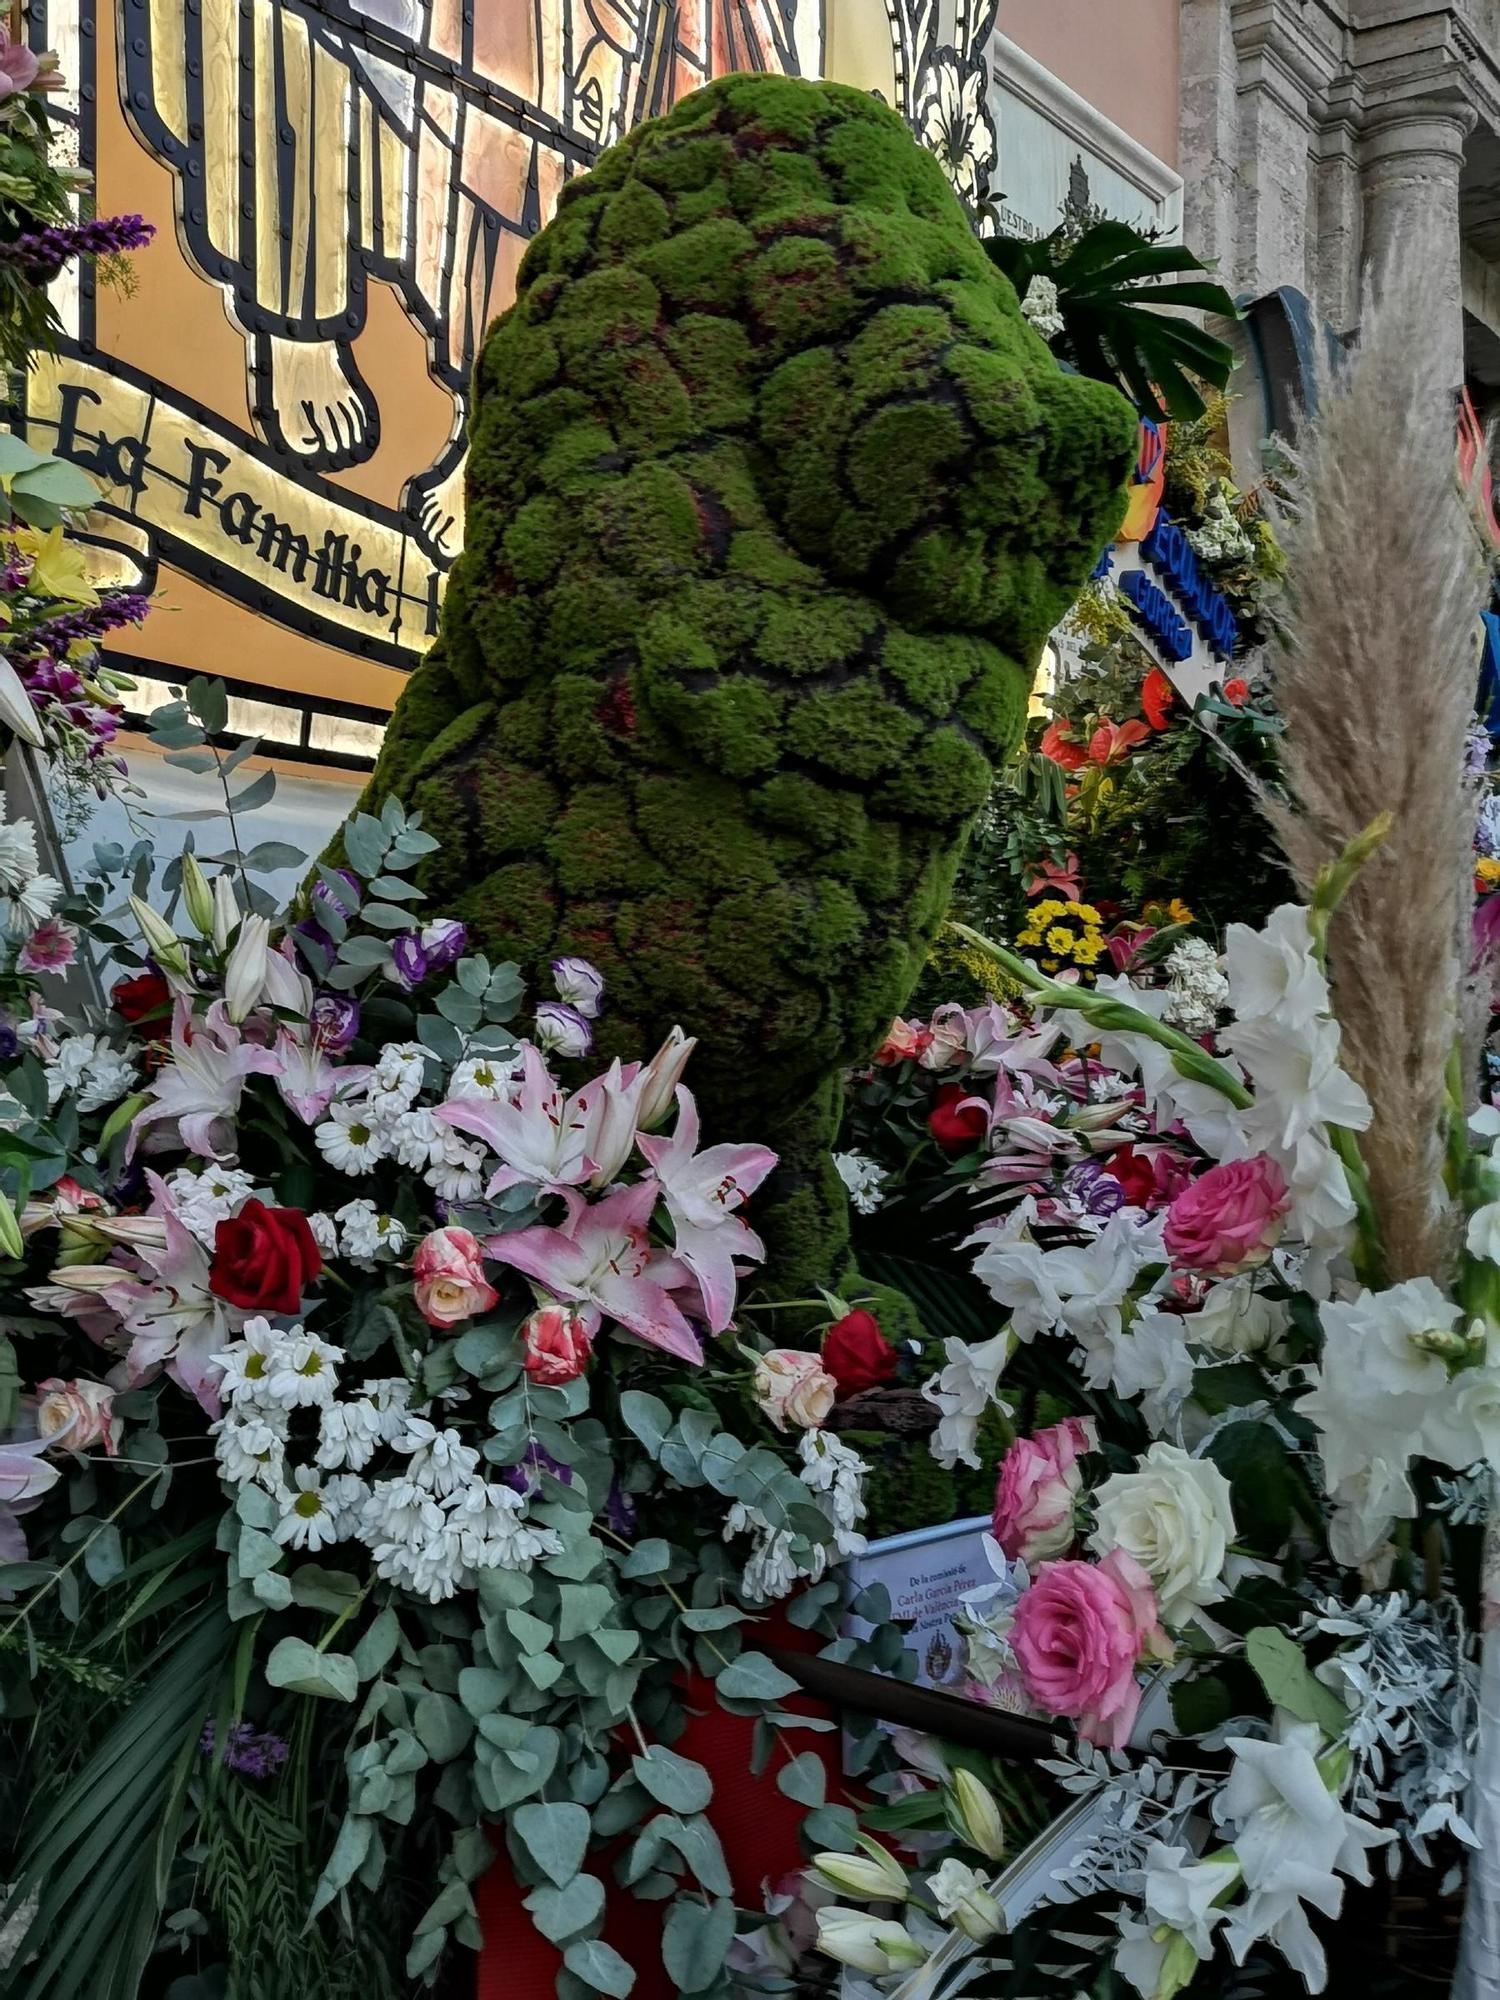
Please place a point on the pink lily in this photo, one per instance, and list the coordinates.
(307, 1080)
(703, 1190)
(609, 1132)
(602, 1259)
(24, 1474)
(539, 1136)
(177, 1322)
(995, 1043)
(661, 1077)
(200, 1087)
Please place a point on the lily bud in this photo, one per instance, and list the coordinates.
(609, 1133)
(975, 1817)
(962, 1898)
(10, 1230)
(16, 711)
(197, 897)
(285, 987)
(871, 1945)
(876, 1876)
(89, 1277)
(662, 1076)
(165, 946)
(226, 912)
(245, 974)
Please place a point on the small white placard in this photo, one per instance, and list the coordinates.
(926, 1574)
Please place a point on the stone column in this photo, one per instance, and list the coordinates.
(1411, 154)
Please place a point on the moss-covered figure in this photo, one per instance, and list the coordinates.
(773, 498)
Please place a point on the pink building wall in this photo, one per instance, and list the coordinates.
(1119, 54)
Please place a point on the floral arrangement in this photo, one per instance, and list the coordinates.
(364, 1387)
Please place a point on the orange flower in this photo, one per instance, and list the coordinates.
(1157, 696)
(1112, 742)
(1058, 744)
(1237, 692)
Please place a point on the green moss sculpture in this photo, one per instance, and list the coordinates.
(773, 497)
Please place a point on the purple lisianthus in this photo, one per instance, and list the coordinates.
(579, 985)
(324, 898)
(526, 1476)
(253, 1753)
(1092, 1190)
(562, 1031)
(620, 1511)
(409, 959)
(335, 1020)
(443, 943)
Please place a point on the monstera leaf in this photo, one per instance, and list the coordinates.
(1110, 301)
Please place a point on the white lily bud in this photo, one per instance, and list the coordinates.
(88, 1277)
(226, 911)
(166, 947)
(962, 1898)
(197, 897)
(875, 1875)
(609, 1133)
(871, 1945)
(245, 974)
(285, 986)
(16, 711)
(10, 1230)
(662, 1075)
(975, 1816)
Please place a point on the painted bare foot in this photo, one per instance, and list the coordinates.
(437, 500)
(313, 402)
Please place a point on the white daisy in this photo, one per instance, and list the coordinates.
(325, 1232)
(363, 1230)
(308, 1522)
(351, 1138)
(251, 1446)
(348, 1434)
(251, 1361)
(344, 1496)
(204, 1200)
(390, 1394)
(305, 1374)
(484, 1076)
(397, 1079)
(418, 1139)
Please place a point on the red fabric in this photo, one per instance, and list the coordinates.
(755, 1822)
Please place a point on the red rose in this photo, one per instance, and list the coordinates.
(1237, 692)
(1135, 1175)
(957, 1119)
(264, 1258)
(857, 1354)
(138, 999)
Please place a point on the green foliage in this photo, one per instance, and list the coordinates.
(1109, 295)
(773, 498)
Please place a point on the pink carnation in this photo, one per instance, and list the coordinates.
(1079, 1632)
(1039, 1481)
(1229, 1218)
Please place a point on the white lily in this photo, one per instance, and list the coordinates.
(16, 711)
(245, 974)
(869, 1944)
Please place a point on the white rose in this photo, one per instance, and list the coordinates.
(1236, 1319)
(1172, 1515)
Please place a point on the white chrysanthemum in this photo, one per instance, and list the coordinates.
(204, 1200)
(250, 1445)
(352, 1139)
(458, 1180)
(440, 1460)
(26, 908)
(396, 1081)
(70, 1066)
(325, 1231)
(344, 1496)
(364, 1231)
(484, 1076)
(1040, 307)
(250, 1362)
(111, 1075)
(308, 1521)
(348, 1433)
(417, 1139)
(1196, 989)
(494, 1532)
(390, 1395)
(862, 1177)
(305, 1373)
(18, 856)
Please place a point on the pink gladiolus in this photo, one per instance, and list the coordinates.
(703, 1191)
(1039, 1482)
(450, 1284)
(1079, 1632)
(601, 1259)
(1229, 1218)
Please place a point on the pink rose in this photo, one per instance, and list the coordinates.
(794, 1387)
(75, 1416)
(904, 1042)
(557, 1345)
(1228, 1219)
(947, 1037)
(449, 1278)
(1078, 1634)
(1039, 1481)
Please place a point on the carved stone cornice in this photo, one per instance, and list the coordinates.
(1288, 48)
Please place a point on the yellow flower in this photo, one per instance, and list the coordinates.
(1031, 935)
(1059, 939)
(1179, 912)
(56, 566)
(1088, 949)
(1085, 913)
(1487, 870)
(1047, 909)
(1051, 964)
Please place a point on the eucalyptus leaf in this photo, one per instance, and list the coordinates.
(695, 1942)
(675, 1782)
(555, 1835)
(302, 1669)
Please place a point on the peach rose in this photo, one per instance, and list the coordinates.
(448, 1270)
(794, 1387)
(75, 1416)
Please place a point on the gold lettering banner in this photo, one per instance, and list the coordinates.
(316, 557)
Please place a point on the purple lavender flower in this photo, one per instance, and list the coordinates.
(443, 943)
(1092, 1190)
(41, 253)
(253, 1753)
(409, 959)
(562, 1030)
(55, 635)
(335, 1020)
